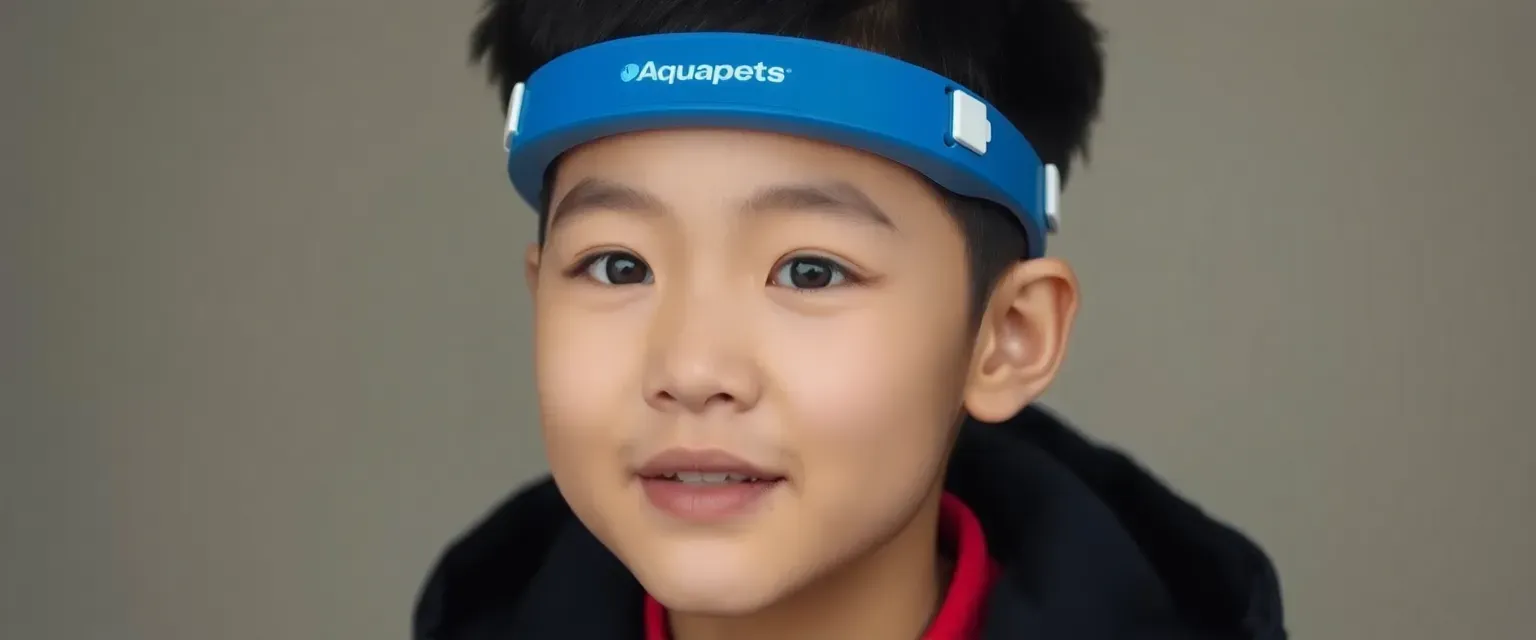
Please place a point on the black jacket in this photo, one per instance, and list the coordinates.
(1092, 547)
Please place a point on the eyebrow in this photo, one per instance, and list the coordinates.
(593, 194)
(836, 197)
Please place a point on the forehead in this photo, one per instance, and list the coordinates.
(706, 169)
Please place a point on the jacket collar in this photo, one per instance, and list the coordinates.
(1091, 547)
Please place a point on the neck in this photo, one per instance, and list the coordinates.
(889, 592)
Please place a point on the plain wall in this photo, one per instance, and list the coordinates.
(264, 341)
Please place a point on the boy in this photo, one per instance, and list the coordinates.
(792, 309)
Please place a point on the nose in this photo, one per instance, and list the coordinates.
(699, 357)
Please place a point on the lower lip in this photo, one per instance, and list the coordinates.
(705, 502)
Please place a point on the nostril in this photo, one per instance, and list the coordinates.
(691, 401)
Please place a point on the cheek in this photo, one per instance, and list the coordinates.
(585, 365)
(867, 397)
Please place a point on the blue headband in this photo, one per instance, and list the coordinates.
(794, 86)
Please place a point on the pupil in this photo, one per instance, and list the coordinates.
(809, 274)
(622, 270)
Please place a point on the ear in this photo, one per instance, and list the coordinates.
(531, 267)
(1022, 338)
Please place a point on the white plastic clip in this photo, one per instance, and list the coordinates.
(968, 125)
(1052, 198)
(514, 113)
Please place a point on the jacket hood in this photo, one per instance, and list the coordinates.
(1091, 546)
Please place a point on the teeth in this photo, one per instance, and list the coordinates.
(698, 477)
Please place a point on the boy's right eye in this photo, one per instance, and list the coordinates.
(616, 268)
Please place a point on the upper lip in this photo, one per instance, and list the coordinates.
(673, 461)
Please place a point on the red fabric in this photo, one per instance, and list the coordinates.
(959, 616)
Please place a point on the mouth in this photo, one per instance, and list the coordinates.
(710, 478)
(704, 467)
(706, 486)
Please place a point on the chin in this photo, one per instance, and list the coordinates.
(699, 598)
(713, 588)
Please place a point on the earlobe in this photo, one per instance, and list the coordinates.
(531, 268)
(1022, 338)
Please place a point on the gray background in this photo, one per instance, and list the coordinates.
(264, 343)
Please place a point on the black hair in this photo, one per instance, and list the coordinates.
(1039, 62)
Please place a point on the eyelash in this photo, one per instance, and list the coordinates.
(582, 269)
(849, 276)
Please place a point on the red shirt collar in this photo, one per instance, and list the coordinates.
(959, 616)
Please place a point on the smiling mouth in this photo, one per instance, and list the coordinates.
(707, 497)
(706, 478)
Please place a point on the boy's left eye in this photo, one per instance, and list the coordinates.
(809, 273)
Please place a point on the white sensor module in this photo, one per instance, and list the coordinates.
(1052, 197)
(968, 125)
(514, 112)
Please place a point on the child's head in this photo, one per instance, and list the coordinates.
(823, 314)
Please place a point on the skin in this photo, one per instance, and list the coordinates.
(794, 329)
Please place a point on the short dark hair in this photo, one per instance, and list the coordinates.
(1039, 62)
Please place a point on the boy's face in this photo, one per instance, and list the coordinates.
(712, 300)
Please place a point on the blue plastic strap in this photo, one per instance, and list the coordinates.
(794, 86)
